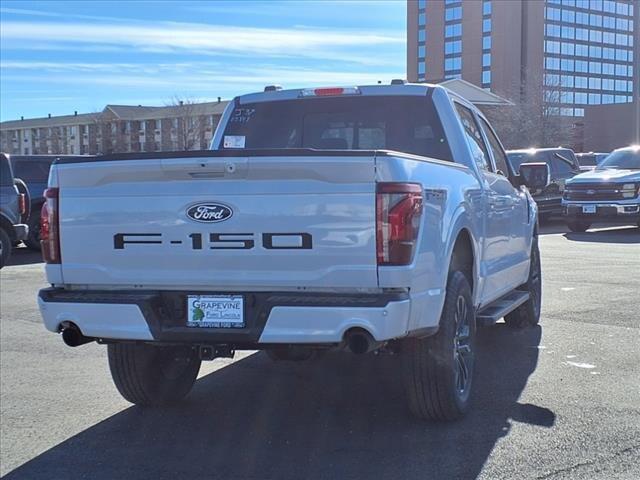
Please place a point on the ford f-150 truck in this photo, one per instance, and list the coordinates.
(375, 218)
(610, 193)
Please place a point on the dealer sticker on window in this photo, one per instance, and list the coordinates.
(233, 141)
(215, 311)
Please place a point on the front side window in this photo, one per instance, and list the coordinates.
(474, 137)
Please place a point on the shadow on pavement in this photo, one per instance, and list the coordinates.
(553, 226)
(337, 417)
(24, 256)
(617, 235)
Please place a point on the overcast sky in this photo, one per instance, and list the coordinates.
(57, 57)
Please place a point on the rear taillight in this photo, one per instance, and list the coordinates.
(50, 227)
(22, 203)
(398, 214)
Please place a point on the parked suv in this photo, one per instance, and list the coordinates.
(34, 171)
(12, 208)
(609, 194)
(562, 164)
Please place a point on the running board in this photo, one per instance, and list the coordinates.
(500, 307)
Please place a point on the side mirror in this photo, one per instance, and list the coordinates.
(535, 176)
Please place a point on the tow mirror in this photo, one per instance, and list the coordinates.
(535, 176)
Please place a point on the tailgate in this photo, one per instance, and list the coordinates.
(220, 222)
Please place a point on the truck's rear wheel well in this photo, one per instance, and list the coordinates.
(462, 258)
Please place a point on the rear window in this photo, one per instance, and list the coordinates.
(518, 158)
(404, 124)
(558, 160)
(36, 171)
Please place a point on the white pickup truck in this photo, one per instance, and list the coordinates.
(373, 218)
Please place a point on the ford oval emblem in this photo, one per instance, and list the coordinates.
(591, 192)
(209, 212)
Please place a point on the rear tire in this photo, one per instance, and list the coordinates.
(151, 375)
(438, 370)
(5, 247)
(577, 226)
(33, 240)
(528, 314)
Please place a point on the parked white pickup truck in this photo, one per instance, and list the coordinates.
(367, 218)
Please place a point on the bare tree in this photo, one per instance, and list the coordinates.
(535, 119)
(190, 123)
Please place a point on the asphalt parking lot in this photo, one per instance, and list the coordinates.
(554, 402)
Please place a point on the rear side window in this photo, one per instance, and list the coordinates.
(406, 124)
(498, 152)
(6, 178)
(32, 171)
(561, 162)
(474, 137)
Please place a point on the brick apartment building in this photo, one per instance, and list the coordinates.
(117, 129)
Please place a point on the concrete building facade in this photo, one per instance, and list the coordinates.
(117, 129)
(567, 54)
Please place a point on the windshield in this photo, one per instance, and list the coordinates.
(587, 159)
(406, 124)
(622, 159)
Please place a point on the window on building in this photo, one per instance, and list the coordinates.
(486, 25)
(568, 16)
(486, 7)
(422, 51)
(486, 77)
(454, 13)
(454, 30)
(595, 83)
(567, 49)
(486, 42)
(422, 19)
(568, 32)
(552, 30)
(486, 59)
(595, 67)
(451, 64)
(581, 98)
(452, 47)
(422, 35)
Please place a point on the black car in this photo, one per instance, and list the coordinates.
(562, 166)
(13, 210)
(34, 171)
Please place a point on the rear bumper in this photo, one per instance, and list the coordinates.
(283, 317)
(605, 212)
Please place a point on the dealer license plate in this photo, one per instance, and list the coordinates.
(588, 209)
(215, 311)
